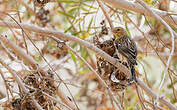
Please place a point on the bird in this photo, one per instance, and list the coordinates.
(127, 48)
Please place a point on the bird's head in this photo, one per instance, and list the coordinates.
(118, 32)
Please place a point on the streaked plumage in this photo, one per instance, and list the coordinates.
(126, 47)
(115, 78)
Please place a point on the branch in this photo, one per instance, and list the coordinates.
(63, 9)
(30, 61)
(93, 70)
(153, 95)
(172, 40)
(51, 97)
(63, 36)
(98, 51)
(127, 5)
(20, 83)
(27, 7)
(105, 13)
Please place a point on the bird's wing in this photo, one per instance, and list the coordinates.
(127, 48)
(132, 49)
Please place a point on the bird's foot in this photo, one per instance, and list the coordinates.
(132, 81)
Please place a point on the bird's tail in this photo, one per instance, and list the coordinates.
(133, 73)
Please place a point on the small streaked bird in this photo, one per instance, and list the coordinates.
(127, 48)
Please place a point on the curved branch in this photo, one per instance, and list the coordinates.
(98, 51)
(152, 94)
(172, 39)
(63, 36)
(167, 16)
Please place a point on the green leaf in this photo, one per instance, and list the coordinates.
(72, 10)
(78, 95)
(68, 29)
(90, 24)
(65, 14)
(68, 1)
(83, 53)
(73, 56)
(84, 9)
(74, 45)
(77, 33)
(84, 70)
(126, 27)
(92, 12)
(81, 63)
(78, 20)
(153, 22)
(89, 6)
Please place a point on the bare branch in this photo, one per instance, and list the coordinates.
(51, 97)
(105, 13)
(64, 36)
(30, 61)
(90, 67)
(152, 94)
(127, 5)
(172, 40)
(19, 51)
(20, 83)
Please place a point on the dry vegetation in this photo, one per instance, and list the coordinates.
(59, 55)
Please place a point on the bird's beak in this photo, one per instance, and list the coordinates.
(113, 31)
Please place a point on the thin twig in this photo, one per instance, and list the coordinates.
(10, 55)
(41, 56)
(156, 53)
(90, 67)
(172, 40)
(51, 97)
(105, 13)
(7, 87)
(160, 108)
(23, 35)
(152, 94)
(63, 9)
(140, 98)
(20, 83)
(127, 5)
(64, 36)
(30, 61)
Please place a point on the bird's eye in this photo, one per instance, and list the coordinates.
(118, 29)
